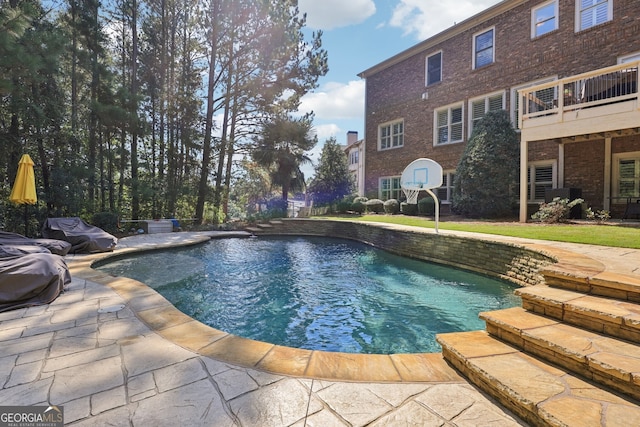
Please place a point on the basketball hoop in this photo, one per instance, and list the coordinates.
(412, 195)
(422, 174)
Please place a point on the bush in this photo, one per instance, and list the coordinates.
(598, 216)
(486, 178)
(358, 207)
(375, 205)
(426, 206)
(360, 199)
(108, 221)
(343, 206)
(391, 206)
(408, 209)
(555, 211)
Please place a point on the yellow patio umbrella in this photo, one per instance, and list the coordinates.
(24, 187)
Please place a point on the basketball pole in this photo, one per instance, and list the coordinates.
(437, 207)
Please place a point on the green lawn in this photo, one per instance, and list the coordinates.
(614, 234)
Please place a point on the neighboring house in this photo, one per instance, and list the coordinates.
(355, 157)
(565, 70)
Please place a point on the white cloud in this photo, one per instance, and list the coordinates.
(427, 18)
(336, 101)
(330, 14)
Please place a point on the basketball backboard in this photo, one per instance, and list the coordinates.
(422, 174)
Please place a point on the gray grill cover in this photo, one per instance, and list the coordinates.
(84, 238)
(30, 279)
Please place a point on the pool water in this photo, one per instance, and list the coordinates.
(318, 293)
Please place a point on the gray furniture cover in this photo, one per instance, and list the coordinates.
(84, 238)
(28, 279)
(58, 247)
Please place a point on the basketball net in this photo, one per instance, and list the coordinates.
(412, 195)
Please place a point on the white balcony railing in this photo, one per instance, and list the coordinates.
(553, 102)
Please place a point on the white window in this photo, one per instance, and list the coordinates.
(353, 157)
(626, 173)
(483, 48)
(434, 68)
(448, 125)
(544, 18)
(590, 13)
(515, 99)
(542, 175)
(390, 188)
(479, 107)
(629, 58)
(445, 191)
(391, 135)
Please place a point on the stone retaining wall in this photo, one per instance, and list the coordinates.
(510, 262)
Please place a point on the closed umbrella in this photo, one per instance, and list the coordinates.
(24, 187)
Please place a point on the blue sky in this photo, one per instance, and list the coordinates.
(358, 34)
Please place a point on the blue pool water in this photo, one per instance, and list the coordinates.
(318, 293)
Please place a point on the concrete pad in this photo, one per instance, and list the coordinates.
(195, 404)
(151, 353)
(280, 404)
(84, 380)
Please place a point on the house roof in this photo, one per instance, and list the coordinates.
(450, 32)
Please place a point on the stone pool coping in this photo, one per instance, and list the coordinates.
(162, 317)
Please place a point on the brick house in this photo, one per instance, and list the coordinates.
(566, 71)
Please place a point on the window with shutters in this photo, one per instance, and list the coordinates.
(542, 175)
(590, 13)
(478, 107)
(445, 191)
(515, 99)
(626, 173)
(448, 124)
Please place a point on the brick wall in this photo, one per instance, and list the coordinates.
(395, 93)
(516, 264)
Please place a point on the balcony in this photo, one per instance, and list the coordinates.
(603, 100)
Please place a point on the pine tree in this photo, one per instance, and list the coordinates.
(333, 180)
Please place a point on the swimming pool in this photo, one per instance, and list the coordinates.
(276, 289)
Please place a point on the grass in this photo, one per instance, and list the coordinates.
(611, 234)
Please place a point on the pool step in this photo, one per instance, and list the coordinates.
(614, 317)
(608, 361)
(538, 392)
(569, 356)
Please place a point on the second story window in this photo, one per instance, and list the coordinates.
(353, 157)
(391, 135)
(483, 48)
(544, 19)
(434, 68)
(590, 13)
(480, 106)
(448, 125)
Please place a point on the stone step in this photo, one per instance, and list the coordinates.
(620, 319)
(605, 360)
(539, 393)
(276, 222)
(606, 284)
(253, 230)
(264, 225)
